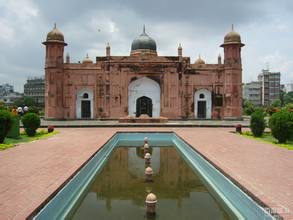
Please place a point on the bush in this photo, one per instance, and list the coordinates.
(14, 130)
(5, 124)
(31, 122)
(257, 123)
(281, 125)
(248, 107)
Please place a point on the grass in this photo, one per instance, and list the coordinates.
(11, 142)
(267, 137)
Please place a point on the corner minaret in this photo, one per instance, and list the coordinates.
(54, 48)
(233, 75)
(54, 75)
(232, 48)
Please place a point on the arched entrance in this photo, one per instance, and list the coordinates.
(202, 104)
(144, 97)
(144, 105)
(84, 104)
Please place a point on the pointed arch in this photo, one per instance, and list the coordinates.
(144, 87)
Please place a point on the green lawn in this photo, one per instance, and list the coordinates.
(267, 137)
(10, 142)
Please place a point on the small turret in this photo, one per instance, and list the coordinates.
(108, 50)
(219, 59)
(180, 52)
(67, 58)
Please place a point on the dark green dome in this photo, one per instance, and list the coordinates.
(143, 42)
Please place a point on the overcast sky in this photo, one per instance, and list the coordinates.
(265, 27)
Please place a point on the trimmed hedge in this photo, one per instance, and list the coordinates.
(257, 123)
(281, 125)
(31, 122)
(5, 124)
(14, 131)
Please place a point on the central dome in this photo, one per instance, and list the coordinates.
(143, 44)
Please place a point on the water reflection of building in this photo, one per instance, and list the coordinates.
(174, 179)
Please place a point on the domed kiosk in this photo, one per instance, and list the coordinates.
(232, 38)
(143, 44)
(55, 36)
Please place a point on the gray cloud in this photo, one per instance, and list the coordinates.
(265, 27)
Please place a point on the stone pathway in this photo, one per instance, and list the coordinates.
(31, 172)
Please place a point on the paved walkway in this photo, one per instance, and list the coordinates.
(31, 172)
(170, 123)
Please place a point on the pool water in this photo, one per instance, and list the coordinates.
(119, 189)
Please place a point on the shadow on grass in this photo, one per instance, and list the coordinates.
(23, 138)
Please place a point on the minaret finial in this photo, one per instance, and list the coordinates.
(232, 27)
(143, 31)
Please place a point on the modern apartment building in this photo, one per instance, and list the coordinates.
(270, 83)
(252, 91)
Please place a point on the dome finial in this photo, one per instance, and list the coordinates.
(232, 27)
(55, 26)
(143, 31)
(87, 55)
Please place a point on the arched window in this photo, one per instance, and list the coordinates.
(85, 96)
(201, 96)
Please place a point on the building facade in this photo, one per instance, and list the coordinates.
(6, 89)
(35, 88)
(142, 83)
(270, 82)
(289, 87)
(252, 91)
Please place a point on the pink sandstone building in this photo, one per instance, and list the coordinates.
(143, 83)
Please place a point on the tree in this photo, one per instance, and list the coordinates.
(276, 103)
(25, 101)
(288, 97)
(282, 97)
(248, 107)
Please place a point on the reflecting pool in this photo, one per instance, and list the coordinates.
(119, 189)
